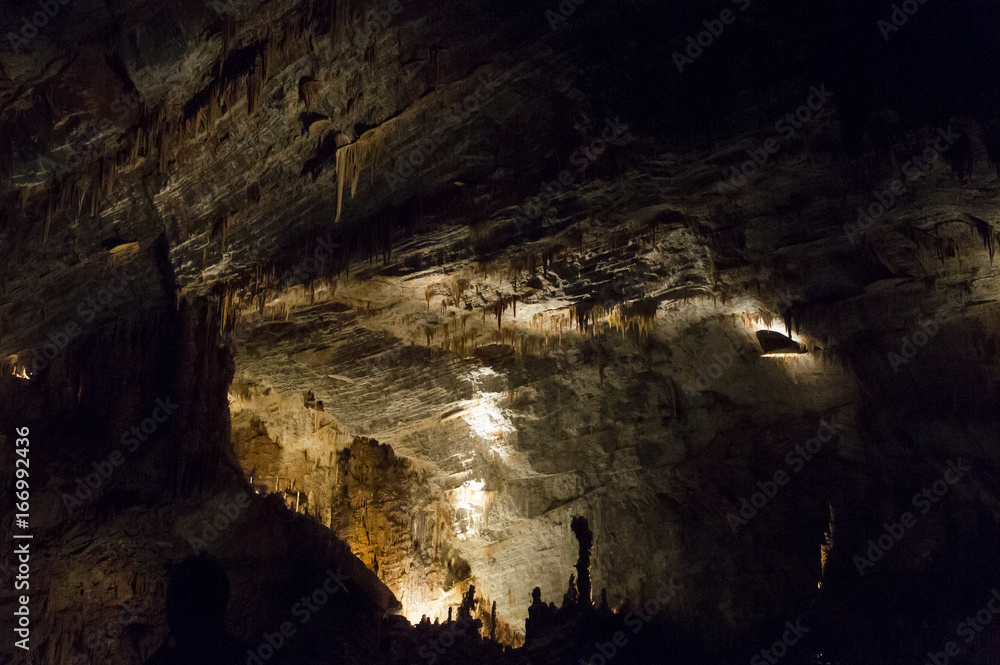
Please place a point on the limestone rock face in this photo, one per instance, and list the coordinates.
(134, 472)
(440, 277)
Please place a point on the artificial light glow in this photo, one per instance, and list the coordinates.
(778, 344)
(468, 494)
(23, 374)
(419, 601)
(470, 508)
(486, 418)
(778, 327)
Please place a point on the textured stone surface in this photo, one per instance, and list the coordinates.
(453, 382)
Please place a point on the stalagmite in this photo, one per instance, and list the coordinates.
(581, 529)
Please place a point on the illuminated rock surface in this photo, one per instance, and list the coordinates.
(330, 241)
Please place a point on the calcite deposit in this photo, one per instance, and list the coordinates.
(693, 302)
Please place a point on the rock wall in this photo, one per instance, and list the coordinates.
(131, 472)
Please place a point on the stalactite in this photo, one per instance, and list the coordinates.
(309, 92)
(986, 234)
(164, 146)
(639, 316)
(499, 306)
(352, 158)
(255, 83)
(123, 253)
(48, 223)
(82, 194)
(586, 314)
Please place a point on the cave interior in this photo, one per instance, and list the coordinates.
(531, 332)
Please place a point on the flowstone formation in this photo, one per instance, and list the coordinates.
(632, 331)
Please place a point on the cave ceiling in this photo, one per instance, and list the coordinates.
(529, 247)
